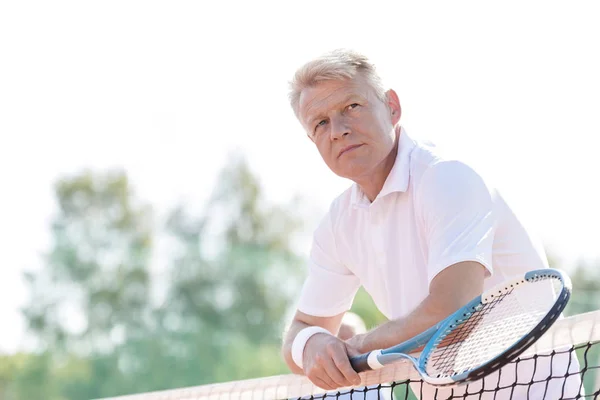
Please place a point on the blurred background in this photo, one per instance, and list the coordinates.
(159, 196)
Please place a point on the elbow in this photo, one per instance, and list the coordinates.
(454, 287)
(440, 307)
(438, 310)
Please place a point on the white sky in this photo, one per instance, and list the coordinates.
(167, 89)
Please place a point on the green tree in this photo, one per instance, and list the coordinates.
(94, 290)
(232, 280)
(364, 306)
(585, 296)
(11, 365)
(96, 313)
(585, 280)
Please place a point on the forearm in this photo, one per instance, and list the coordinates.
(397, 331)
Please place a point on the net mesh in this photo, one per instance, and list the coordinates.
(562, 364)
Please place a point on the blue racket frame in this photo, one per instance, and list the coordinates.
(430, 337)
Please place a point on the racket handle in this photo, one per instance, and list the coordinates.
(360, 363)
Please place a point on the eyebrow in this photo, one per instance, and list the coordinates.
(318, 116)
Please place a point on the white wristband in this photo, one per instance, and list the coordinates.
(300, 341)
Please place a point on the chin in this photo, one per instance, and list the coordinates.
(349, 169)
(346, 174)
(342, 173)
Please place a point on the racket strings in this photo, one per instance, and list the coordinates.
(443, 359)
(489, 330)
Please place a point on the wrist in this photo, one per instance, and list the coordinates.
(299, 343)
(357, 342)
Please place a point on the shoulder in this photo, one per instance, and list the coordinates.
(449, 173)
(432, 168)
(452, 190)
(426, 154)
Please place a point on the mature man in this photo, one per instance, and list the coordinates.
(423, 234)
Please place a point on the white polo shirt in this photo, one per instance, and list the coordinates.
(430, 214)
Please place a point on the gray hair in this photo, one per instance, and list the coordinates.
(336, 65)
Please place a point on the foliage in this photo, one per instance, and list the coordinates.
(585, 296)
(364, 306)
(585, 279)
(95, 281)
(106, 321)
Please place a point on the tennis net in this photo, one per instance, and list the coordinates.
(563, 364)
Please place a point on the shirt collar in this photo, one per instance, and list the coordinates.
(398, 178)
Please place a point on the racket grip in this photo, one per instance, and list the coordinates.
(360, 363)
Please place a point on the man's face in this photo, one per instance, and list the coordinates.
(351, 127)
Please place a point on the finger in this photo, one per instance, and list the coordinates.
(343, 365)
(334, 372)
(352, 352)
(323, 381)
(325, 368)
(338, 357)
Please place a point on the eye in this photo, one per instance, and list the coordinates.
(321, 123)
(353, 106)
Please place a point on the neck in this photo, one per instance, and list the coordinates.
(372, 184)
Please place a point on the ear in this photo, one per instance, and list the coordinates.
(393, 103)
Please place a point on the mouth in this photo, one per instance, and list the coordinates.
(349, 148)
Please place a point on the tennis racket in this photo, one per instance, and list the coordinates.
(484, 335)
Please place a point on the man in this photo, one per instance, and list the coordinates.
(422, 234)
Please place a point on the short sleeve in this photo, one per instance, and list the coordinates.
(456, 209)
(330, 287)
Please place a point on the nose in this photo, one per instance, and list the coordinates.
(339, 128)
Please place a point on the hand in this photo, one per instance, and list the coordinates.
(355, 344)
(326, 362)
